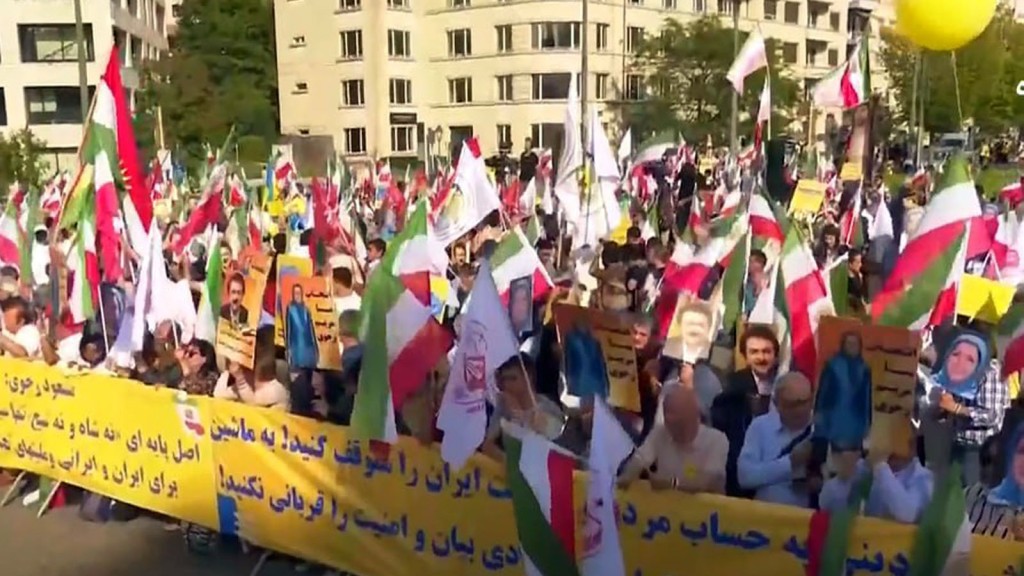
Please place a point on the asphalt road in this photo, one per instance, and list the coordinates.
(59, 544)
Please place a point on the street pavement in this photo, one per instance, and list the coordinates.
(59, 544)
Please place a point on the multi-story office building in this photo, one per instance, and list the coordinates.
(391, 78)
(39, 82)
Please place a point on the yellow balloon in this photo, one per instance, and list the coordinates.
(943, 25)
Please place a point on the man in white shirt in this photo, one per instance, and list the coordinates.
(20, 338)
(681, 453)
(345, 297)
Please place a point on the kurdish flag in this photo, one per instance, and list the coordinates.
(514, 257)
(539, 475)
(403, 339)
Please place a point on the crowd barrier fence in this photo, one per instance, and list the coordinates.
(306, 489)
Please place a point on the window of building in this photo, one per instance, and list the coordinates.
(553, 86)
(602, 36)
(669, 4)
(355, 140)
(700, 6)
(298, 41)
(634, 89)
(3, 107)
(352, 93)
(789, 50)
(557, 36)
(504, 88)
(600, 86)
(303, 131)
(345, 5)
(833, 20)
(634, 38)
(726, 6)
(771, 7)
(460, 90)
(301, 88)
(547, 135)
(399, 44)
(833, 57)
(505, 135)
(400, 4)
(458, 135)
(400, 91)
(792, 13)
(504, 34)
(460, 42)
(459, 3)
(176, 10)
(352, 44)
(52, 43)
(54, 104)
(636, 2)
(403, 139)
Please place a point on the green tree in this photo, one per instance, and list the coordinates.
(22, 160)
(987, 72)
(684, 68)
(221, 72)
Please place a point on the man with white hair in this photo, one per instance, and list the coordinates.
(681, 453)
(777, 445)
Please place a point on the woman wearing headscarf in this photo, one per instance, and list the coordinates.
(965, 404)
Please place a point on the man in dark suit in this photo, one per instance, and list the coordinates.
(233, 311)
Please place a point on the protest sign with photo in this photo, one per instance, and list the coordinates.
(891, 354)
(692, 330)
(241, 309)
(310, 323)
(596, 341)
(287, 266)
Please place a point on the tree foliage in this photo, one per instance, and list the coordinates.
(22, 160)
(988, 70)
(684, 68)
(221, 72)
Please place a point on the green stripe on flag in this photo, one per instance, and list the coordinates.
(939, 526)
(840, 528)
(733, 279)
(509, 247)
(538, 539)
(839, 288)
(919, 298)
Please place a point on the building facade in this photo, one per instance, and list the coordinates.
(39, 83)
(394, 78)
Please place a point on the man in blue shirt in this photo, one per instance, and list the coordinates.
(777, 446)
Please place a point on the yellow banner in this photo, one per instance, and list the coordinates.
(984, 299)
(307, 489)
(807, 197)
(147, 447)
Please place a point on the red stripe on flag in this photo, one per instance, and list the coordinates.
(563, 519)
(817, 532)
(917, 256)
(409, 369)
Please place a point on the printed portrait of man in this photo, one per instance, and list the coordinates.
(233, 311)
(692, 331)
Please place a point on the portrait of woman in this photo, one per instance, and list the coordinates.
(963, 368)
(842, 410)
(299, 334)
(520, 305)
(585, 370)
(1010, 492)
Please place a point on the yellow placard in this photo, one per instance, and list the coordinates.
(851, 171)
(614, 333)
(318, 307)
(984, 299)
(309, 490)
(440, 293)
(807, 197)
(287, 267)
(237, 321)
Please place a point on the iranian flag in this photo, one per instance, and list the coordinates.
(539, 475)
(942, 541)
(85, 266)
(654, 148)
(514, 257)
(849, 85)
(921, 290)
(838, 285)
(403, 339)
(10, 237)
(805, 300)
(209, 302)
(828, 533)
(687, 271)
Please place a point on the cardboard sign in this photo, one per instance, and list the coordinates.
(692, 330)
(851, 172)
(287, 267)
(309, 298)
(614, 334)
(892, 355)
(984, 299)
(240, 311)
(807, 197)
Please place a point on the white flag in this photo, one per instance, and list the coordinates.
(609, 446)
(752, 57)
(486, 341)
(764, 109)
(626, 146)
